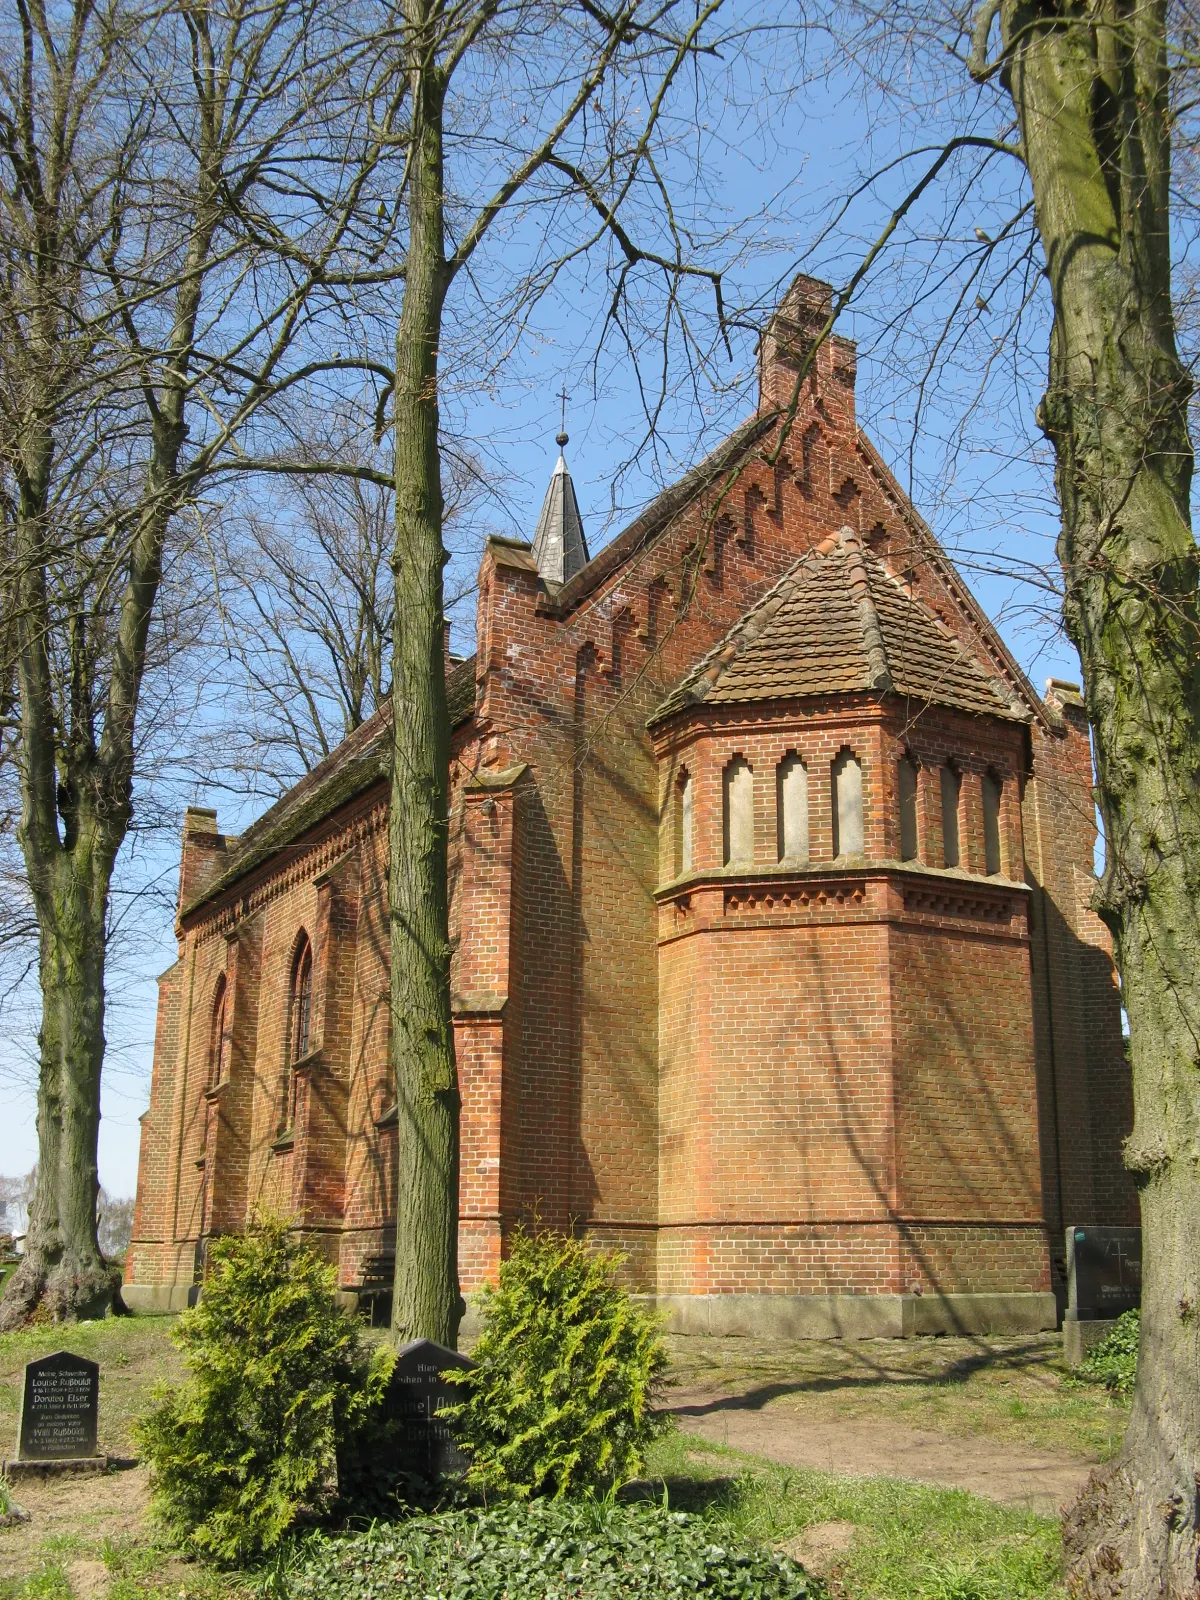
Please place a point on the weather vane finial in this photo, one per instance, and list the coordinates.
(562, 438)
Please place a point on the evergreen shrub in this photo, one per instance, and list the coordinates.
(1113, 1362)
(547, 1550)
(559, 1401)
(278, 1376)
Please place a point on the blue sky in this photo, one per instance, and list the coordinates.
(771, 185)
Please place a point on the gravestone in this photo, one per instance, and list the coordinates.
(1104, 1272)
(416, 1394)
(58, 1409)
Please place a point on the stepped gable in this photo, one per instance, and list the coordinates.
(838, 622)
(357, 763)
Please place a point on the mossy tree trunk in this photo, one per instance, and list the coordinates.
(426, 1301)
(1089, 84)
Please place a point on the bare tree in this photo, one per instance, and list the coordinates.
(305, 603)
(178, 218)
(590, 88)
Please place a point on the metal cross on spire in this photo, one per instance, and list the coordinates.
(563, 437)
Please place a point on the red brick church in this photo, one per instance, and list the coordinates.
(774, 959)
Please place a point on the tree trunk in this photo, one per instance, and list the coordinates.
(63, 1268)
(1090, 87)
(426, 1303)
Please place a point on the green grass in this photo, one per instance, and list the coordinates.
(48, 1581)
(1018, 1390)
(914, 1542)
(134, 1354)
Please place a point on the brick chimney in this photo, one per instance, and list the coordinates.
(788, 339)
(201, 856)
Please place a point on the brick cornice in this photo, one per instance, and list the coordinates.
(345, 837)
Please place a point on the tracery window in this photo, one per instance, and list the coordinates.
(791, 800)
(739, 813)
(847, 805)
(909, 841)
(951, 792)
(992, 790)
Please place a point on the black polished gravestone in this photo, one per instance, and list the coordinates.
(58, 1409)
(417, 1393)
(1104, 1272)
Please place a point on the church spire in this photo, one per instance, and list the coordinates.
(559, 547)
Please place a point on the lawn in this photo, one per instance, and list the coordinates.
(1017, 1390)
(906, 1541)
(903, 1540)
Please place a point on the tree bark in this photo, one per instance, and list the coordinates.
(426, 1302)
(1090, 87)
(63, 1268)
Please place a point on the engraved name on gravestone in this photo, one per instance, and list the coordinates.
(58, 1409)
(416, 1395)
(1104, 1272)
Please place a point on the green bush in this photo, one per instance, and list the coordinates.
(566, 1369)
(543, 1551)
(278, 1377)
(1113, 1362)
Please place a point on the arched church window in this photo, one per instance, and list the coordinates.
(791, 801)
(991, 822)
(301, 1004)
(682, 823)
(951, 791)
(909, 846)
(739, 812)
(218, 1046)
(847, 805)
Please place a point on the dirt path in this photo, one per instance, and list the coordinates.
(1042, 1481)
(70, 1512)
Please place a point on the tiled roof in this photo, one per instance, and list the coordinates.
(358, 762)
(839, 622)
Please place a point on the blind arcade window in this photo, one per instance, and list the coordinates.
(847, 805)
(951, 788)
(791, 782)
(909, 847)
(739, 813)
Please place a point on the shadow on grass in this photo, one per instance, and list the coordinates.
(682, 1493)
(871, 1375)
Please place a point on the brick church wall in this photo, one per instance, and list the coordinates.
(754, 1102)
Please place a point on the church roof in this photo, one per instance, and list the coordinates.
(360, 761)
(559, 547)
(838, 622)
